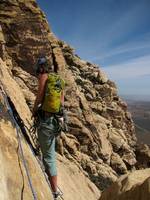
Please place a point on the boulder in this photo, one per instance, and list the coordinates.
(135, 186)
(143, 156)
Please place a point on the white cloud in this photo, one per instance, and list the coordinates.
(126, 28)
(124, 23)
(127, 48)
(131, 69)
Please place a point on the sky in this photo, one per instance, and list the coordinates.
(115, 34)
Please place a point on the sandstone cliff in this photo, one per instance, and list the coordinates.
(14, 184)
(101, 142)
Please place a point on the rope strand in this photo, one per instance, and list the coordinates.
(19, 142)
(18, 130)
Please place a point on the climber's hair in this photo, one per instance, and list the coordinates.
(43, 66)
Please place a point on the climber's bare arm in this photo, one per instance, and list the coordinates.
(41, 89)
(62, 98)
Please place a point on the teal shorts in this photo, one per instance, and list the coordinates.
(47, 131)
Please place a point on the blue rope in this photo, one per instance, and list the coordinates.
(24, 161)
(20, 145)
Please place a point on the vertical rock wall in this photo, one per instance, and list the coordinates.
(101, 138)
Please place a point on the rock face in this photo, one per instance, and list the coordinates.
(132, 186)
(14, 183)
(101, 140)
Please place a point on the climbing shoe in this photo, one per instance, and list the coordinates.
(57, 195)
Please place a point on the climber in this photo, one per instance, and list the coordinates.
(48, 106)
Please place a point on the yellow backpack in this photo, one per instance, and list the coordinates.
(53, 91)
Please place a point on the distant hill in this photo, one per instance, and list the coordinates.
(140, 111)
(143, 135)
(139, 98)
